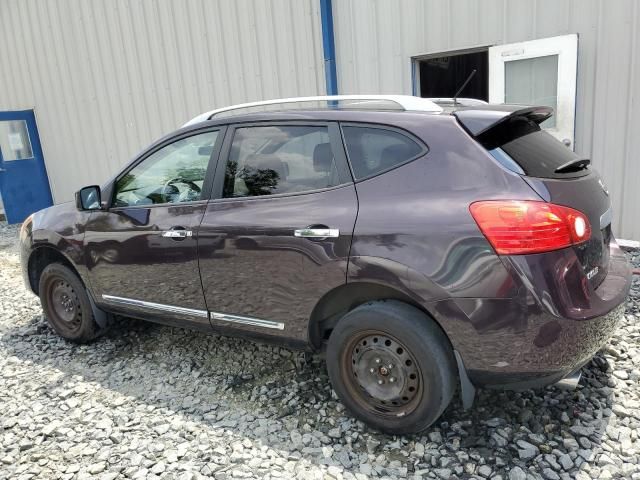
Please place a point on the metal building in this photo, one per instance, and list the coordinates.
(85, 84)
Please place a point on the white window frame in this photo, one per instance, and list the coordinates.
(566, 47)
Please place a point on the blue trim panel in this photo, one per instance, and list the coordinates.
(328, 47)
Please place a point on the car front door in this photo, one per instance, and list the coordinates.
(276, 235)
(141, 250)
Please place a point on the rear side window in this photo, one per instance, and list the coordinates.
(536, 152)
(271, 160)
(374, 150)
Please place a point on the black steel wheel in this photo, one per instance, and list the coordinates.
(392, 366)
(384, 375)
(66, 304)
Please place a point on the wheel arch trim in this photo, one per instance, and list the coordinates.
(101, 317)
(37, 251)
(335, 303)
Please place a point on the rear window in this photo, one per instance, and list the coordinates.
(373, 150)
(536, 152)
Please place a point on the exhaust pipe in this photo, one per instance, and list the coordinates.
(570, 382)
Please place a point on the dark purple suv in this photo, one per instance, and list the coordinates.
(423, 249)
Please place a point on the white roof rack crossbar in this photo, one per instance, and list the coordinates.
(405, 102)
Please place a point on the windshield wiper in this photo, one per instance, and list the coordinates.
(573, 165)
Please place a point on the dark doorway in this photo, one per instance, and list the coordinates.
(441, 77)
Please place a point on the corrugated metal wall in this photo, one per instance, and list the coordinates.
(375, 40)
(108, 78)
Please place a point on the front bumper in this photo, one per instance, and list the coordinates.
(25, 244)
(540, 336)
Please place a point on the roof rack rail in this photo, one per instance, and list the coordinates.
(403, 102)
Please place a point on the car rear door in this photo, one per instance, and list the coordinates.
(141, 250)
(276, 235)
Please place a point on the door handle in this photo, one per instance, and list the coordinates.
(317, 233)
(3, 170)
(177, 234)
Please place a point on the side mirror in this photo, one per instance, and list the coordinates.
(88, 198)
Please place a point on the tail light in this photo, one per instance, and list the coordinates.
(515, 227)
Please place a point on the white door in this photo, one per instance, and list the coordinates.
(538, 72)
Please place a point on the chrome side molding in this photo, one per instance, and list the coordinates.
(255, 322)
(156, 306)
(223, 317)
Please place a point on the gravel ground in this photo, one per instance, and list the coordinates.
(147, 401)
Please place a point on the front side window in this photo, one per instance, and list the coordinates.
(173, 174)
(373, 150)
(268, 160)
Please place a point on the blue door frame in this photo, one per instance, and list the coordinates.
(24, 184)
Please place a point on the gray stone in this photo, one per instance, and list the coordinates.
(97, 468)
(526, 450)
(549, 474)
(443, 473)
(621, 374)
(584, 442)
(516, 473)
(527, 453)
(566, 462)
(581, 430)
(499, 440)
(570, 443)
(484, 471)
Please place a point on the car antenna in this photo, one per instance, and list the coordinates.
(455, 102)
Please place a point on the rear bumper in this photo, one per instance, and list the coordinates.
(544, 333)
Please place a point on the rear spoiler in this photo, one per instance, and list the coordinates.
(488, 123)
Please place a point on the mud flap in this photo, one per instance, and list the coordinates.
(467, 390)
(101, 317)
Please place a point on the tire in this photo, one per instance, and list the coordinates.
(66, 304)
(396, 344)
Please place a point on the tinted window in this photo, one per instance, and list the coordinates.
(173, 174)
(535, 151)
(279, 159)
(372, 150)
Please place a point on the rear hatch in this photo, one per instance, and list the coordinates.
(512, 135)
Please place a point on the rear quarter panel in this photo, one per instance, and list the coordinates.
(417, 216)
